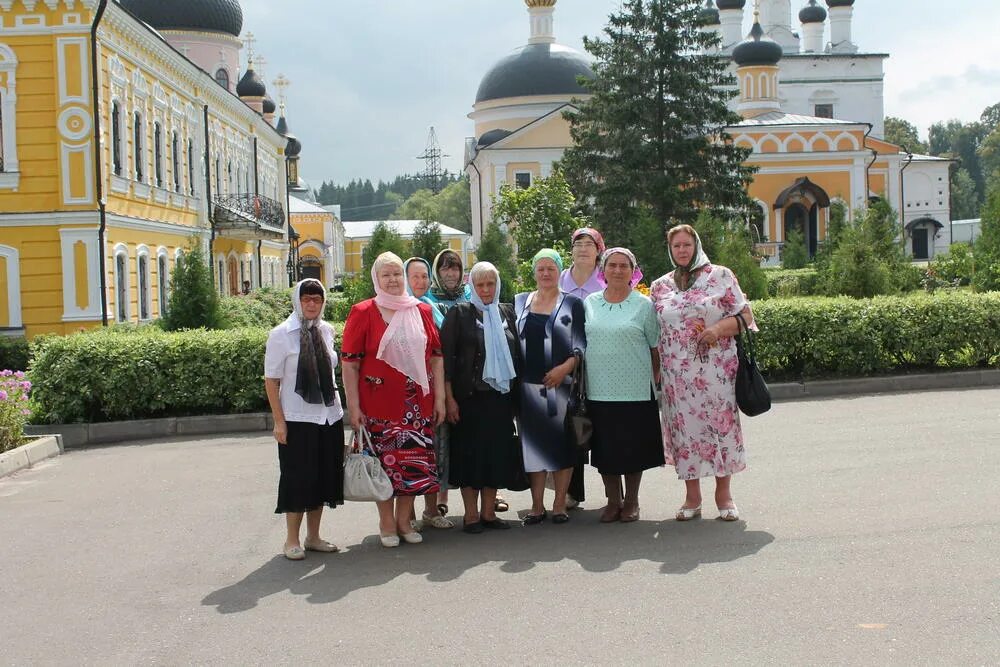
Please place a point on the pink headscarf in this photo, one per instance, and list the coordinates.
(404, 343)
(593, 234)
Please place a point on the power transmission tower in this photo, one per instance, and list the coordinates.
(433, 175)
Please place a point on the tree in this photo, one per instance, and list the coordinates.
(495, 247)
(867, 258)
(452, 206)
(964, 202)
(384, 238)
(194, 302)
(728, 243)
(903, 134)
(538, 216)
(987, 248)
(794, 254)
(652, 133)
(426, 241)
(961, 141)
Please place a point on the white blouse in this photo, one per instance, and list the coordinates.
(281, 360)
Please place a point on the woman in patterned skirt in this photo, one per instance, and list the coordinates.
(394, 381)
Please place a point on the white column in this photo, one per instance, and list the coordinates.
(542, 30)
(812, 37)
(840, 30)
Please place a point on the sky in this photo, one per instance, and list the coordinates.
(369, 78)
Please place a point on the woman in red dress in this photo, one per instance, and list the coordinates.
(394, 381)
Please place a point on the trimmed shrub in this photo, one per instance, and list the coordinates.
(815, 337)
(791, 282)
(265, 307)
(14, 353)
(115, 374)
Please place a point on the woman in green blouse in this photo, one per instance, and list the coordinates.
(622, 334)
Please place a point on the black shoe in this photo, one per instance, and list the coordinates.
(473, 528)
(561, 517)
(532, 519)
(495, 524)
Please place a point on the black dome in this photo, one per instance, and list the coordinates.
(211, 15)
(536, 69)
(251, 85)
(812, 13)
(730, 4)
(281, 127)
(269, 105)
(839, 3)
(709, 14)
(492, 137)
(757, 49)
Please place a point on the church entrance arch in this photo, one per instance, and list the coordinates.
(801, 202)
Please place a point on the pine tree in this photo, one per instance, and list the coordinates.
(194, 302)
(426, 241)
(384, 238)
(497, 249)
(652, 133)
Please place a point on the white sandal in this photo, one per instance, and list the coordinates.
(729, 514)
(437, 521)
(322, 545)
(295, 553)
(688, 513)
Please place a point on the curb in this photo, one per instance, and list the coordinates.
(74, 436)
(30, 454)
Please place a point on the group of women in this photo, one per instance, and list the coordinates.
(456, 389)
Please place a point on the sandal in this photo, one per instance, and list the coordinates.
(729, 514)
(630, 513)
(611, 514)
(322, 545)
(560, 517)
(437, 521)
(295, 553)
(532, 519)
(500, 505)
(688, 513)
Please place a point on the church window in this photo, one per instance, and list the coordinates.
(162, 280)
(158, 153)
(175, 156)
(824, 111)
(142, 276)
(121, 284)
(222, 77)
(116, 138)
(139, 145)
(522, 180)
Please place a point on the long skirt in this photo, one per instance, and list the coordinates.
(485, 452)
(312, 467)
(543, 436)
(627, 436)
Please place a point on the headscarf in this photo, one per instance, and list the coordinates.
(636, 273)
(547, 253)
(593, 234)
(314, 372)
(498, 369)
(427, 298)
(404, 342)
(438, 290)
(698, 259)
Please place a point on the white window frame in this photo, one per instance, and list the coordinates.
(143, 286)
(162, 280)
(158, 169)
(10, 174)
(123, 310)
(140, 171)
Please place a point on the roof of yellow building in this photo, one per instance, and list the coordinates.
(360, 229)
(296, 205)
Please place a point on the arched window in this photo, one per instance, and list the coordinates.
(222, 277)
(142, 277)
(158, 153)
(175, 156)
(121, 284)
(116, 138)
(162, 280)
(218, 175)
(190, 167)
(230, 183)
(222, 78)
(9, 165)
(138, 145)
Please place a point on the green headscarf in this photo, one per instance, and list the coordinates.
(547, 253)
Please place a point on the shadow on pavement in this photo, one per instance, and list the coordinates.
(445, 555)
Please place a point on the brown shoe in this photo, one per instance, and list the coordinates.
(630, 513)
(611, 514)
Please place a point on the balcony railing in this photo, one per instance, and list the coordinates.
(248, 216)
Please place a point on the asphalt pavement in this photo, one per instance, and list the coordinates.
(868, 536)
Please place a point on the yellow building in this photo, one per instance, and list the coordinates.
(357, 235)
(320, 243)
(118, 152)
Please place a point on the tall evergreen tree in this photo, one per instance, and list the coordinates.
(652, 135)
(497, 248)
(426, 241)
(194, 302)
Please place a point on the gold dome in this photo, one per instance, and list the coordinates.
(540, 3)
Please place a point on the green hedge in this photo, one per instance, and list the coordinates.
(14, 353)
(816, 337)
(791, 282)
(115, 374)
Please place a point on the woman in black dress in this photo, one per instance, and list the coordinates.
(480, 360)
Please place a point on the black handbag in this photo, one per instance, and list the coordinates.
(752, 395)
(579, 428)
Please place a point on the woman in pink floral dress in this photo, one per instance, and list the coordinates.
(696, 304)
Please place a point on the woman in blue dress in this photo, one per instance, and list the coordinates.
(550, 329)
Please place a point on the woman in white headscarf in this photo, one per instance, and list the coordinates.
(394, 382)
(481, 352)
(308, 419)
(696, 305)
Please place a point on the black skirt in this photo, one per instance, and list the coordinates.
(627, 436)
(484, 450)
(312, 467)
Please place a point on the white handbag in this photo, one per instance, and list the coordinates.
(364, 478)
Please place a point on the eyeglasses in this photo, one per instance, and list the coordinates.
(584, 244)
(314, 299)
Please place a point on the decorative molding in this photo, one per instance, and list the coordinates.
(64, 46)
(66, 153)
(74, 123)
(72, 312)
(13, 280)
(120, 249)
